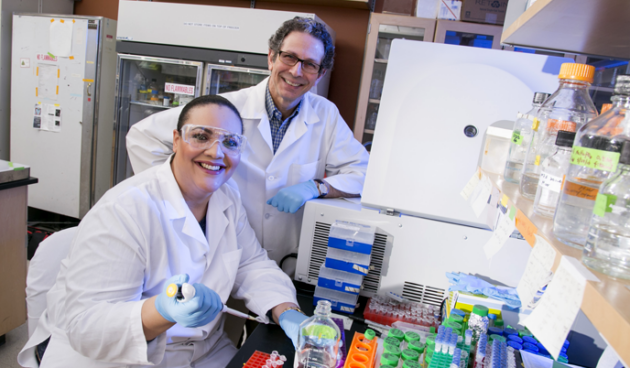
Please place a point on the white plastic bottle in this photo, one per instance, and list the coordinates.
(521, 140)
(607, 248)
(568, 109)
(318, 340)
(551, 176)
(593, 160)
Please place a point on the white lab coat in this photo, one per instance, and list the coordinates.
(317, 142)
(136, 237)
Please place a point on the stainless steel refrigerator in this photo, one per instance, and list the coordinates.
(62, 107)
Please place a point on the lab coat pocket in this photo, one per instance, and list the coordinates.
(301, 173)
(230, 262)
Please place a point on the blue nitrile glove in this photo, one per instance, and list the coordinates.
(290, 323)
(508, 295)
(199, 311)
(464, 282)
(290, 199)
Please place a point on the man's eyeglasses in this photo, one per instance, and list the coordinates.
(204, 137)
(308, 66)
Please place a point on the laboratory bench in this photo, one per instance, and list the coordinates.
(267, 338)
(13, 197)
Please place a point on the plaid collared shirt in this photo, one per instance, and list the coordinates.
(278, 127)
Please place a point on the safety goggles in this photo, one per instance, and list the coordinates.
(204, 137)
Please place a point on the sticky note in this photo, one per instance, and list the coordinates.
(480, 196)
(554, 315)
(517, 138)
(526, 227)
(504, 229)
(537, 162)
(504, 200)
(470, 186)
(512, 212)
(51, 55)
(537, 271)
(535, 124)
(493, 206)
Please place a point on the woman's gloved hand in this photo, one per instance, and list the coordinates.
(199, 311)
(290, 199)
(290, 323)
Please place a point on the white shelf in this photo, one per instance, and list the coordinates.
(589, 27)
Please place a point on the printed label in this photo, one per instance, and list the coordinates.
(603, 204)
(595, 159)
(352, 289)
(554, 125)
(46, 57)
(347, 309)
(517, 138)
(580, 191)
(181, 89)
(360, 269)
(550, 182)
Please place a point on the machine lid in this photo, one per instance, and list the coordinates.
(422, 155)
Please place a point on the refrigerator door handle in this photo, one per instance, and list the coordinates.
(87, 89)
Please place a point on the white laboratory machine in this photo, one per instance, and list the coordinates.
(186, 51)
(440, 105)
(62, 107)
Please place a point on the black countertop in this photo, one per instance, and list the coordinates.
(18, 183)
(267, 338)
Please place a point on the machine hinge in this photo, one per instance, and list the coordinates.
(392, 212)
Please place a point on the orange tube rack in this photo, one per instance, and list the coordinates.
(362, 352)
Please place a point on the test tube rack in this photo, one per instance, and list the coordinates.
(362, 352)
(257, 360)
(381, 310)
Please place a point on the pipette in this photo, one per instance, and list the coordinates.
(187, 292)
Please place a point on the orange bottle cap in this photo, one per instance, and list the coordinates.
(575, 71)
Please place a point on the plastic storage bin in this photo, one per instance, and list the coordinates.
(352, 237)
(339, 280)
(344, 260)
(339, 301)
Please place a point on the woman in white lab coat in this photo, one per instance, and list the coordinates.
(173, 223)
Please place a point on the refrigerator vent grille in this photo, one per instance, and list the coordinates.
(423, 294)
(371, 281)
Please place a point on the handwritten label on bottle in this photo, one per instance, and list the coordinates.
(550, 182)
(517, 138)
(580, 191)
(595, 159)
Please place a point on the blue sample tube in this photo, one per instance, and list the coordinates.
(515, 338)
(459, 312)
(495, 331)
(515, 345)
(530, 340)
(542, 349)
(509, 331)
(532, 347)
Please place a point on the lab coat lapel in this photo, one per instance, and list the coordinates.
(299, 124)
(254, 116)
(216, 220)
(178, 212)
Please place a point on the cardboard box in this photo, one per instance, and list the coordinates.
(449, 9)
(484, 11)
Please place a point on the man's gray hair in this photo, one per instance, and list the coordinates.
(308, 26)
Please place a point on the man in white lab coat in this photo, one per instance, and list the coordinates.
(294, 138)
(113, 304)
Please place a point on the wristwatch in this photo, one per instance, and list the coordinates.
(321, 187)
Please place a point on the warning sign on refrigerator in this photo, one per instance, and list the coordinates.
(181, 89)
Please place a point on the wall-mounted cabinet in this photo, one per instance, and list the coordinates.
(599, 28)
(383, 28)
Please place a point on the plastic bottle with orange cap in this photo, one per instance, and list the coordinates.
(594, 159)
(568, 109)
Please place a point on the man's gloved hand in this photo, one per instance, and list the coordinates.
(290, 199)
(199, 311)
(290, 323)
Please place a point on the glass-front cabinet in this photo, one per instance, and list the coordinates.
(223, 78)
(382, 30)
(144, 86)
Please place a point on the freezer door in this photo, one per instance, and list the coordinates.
(145, 86)
(54, 67)
(222, 78)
